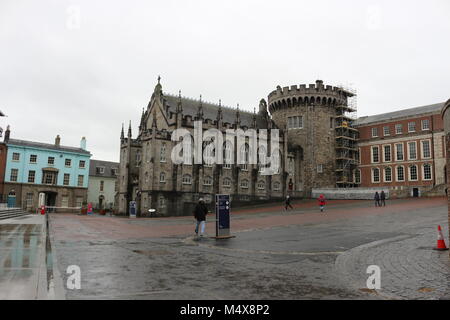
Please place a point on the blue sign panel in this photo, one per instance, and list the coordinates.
(222, 215)
(132, 209)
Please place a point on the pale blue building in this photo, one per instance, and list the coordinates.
(42, 173)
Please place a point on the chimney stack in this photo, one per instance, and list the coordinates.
(57, 140)
(7, 132)
(83, 143)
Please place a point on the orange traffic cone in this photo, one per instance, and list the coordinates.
(440, 241)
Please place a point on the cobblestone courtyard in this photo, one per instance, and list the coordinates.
(299, 254)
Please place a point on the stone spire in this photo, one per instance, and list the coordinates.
(200, 109)
(7, 133)
(238, 117)
(129, 130)
(254, 118)
(122, 134)
(219, 112)
(179, 105)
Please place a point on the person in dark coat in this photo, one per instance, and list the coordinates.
(377, 199)
(200, 212)
(383, 198)
(288, 203)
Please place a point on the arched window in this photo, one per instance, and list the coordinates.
(276, 186)
(388, 174)
(227, 182)
(207, 181)
(244, 184)
(227, 155)
(261, 185)
(244, 156)
(187, 179)
(413, 173)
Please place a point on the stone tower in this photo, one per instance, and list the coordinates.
(310, 115)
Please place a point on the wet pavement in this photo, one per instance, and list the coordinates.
(23, 273)
(300, 254)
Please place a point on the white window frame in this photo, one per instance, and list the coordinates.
(358, 181)
(423, 172)
(409, 126)
(162, 177)
(396, 173)
(388, 131)
(374, 132)
(29, 175)
(373, 175)
(35, 158)
(261, 185)
(244, 186)
(68, 179)
(16, 156)
(428, 124)
(295, 122)
(16, 175)
(82, 166)
(399, 128)
(384, 153)
(422, 148)
(228, 184)
(187, 179)
(396, 151)
(409, 173)
(276, 186)
(409, 149)
(384, 174)
(52, 162)
(207, 181)
(68, 165)
(80, 179)
(378, 154)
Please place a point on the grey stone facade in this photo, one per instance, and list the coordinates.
(148, 176)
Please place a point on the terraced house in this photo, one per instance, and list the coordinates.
(45, 174)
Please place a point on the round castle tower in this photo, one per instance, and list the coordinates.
(312, 117)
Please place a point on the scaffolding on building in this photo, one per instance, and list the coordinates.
(347, 155)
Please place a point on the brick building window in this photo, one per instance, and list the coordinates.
(14, 175)
(426, 151)
(427, 172)
(31, 176)
(33, 158)
(16, 156)
(400, 173)
(386, 131)
(425, 124)
(66, 180)
(374, 132)
(388, 174)
(375, 154)
(399, 151)
(412, 126)
(398, 129)
(412, 151)
(387, 153)
(357, 176)
(80, 180)
(375, 175)
(413, 173)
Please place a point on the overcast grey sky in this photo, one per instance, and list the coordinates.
(81, 68)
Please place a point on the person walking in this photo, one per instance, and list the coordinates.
(288, 203)
(383, 198)
(321, 201)
(377, 199)
(200, 213)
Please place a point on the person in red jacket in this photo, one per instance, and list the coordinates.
(321, 201)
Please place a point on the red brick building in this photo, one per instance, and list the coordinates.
(403, 150)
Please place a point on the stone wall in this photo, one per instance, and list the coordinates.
(349, 193)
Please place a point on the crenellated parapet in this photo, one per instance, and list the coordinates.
(314, 94)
